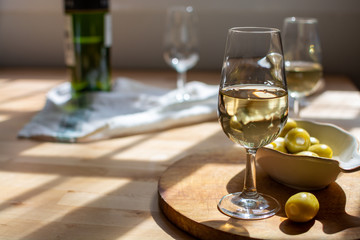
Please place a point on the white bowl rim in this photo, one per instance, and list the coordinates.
(344, 166)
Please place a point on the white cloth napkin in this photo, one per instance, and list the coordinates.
(130, 108)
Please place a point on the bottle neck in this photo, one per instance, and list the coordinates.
(86, 5)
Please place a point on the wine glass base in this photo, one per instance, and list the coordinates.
(235, 206)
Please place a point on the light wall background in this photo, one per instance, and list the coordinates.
(31, 31)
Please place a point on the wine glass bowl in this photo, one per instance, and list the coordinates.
(181, 44)
(252, 109)
(302, 53)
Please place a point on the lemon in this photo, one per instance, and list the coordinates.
(302, 207)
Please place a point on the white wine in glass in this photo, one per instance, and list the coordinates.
(302, 77)
(252, 109)
(181, 44)
(251, 114)
(302, 53)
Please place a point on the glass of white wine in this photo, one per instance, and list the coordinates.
(252, 109)
(302, 53)
(181, 44)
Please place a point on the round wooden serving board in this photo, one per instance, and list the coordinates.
(190, 189)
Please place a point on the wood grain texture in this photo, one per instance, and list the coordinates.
(191, 188)
(108, 189)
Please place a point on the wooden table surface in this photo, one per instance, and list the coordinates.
(108, 189)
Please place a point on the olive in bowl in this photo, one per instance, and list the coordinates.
(309, 172)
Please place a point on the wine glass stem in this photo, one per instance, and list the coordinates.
(181, 80)
(249, 190)
(296, 107)
(182, 95)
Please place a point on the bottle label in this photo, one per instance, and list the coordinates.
(107, 28)
(69, 44)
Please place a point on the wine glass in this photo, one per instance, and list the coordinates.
(252, 109)
(302, 52)
(181, 44)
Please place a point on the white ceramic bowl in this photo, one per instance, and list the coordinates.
(312, 173)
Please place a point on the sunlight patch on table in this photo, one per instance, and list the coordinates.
(93, 200)
(4, 117)
(82, 151)
(153, 150)
(181, 140)
(190, 181)
(14, 184)
(124, 194)
(334, 105)
(113, 186)
(18, 228)
(147, 229)
(26, 94)
(35, 203)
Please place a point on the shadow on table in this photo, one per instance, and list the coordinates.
(332, 200)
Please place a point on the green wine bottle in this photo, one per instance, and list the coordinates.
(88, 45)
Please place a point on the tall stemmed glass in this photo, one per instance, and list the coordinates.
(181, 44)
(302, 53)
(252, 109)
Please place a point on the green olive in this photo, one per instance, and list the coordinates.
(290, 124)
(279, 145)
(270, 145)
(279, 141)
(302, 207)
(234, 123)
(314, 140)
(322, 150)
(307, 153)
(297, 140)
(281, 148)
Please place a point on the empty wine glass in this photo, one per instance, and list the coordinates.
(302, 53)
(181, 44)
(252, 109)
